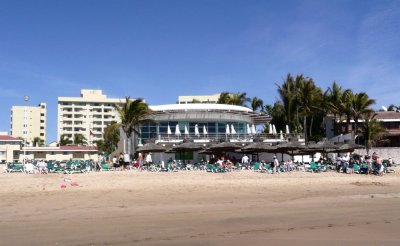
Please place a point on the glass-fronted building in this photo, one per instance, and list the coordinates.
(207, 122)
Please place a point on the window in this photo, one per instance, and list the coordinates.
(41, 114)
(41, 121)
(42, 134)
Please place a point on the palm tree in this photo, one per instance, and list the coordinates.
(37, 141)
(393, 107)
(79, 139)
(256, 103)
(277, 112)
(372, 130)
(288, 96)
(309, 98)
(111, 137)
(64, 140)
(360, 106)
(346, 107)
(224, 98)
(239, 99)
(131, 113)
(333, 100)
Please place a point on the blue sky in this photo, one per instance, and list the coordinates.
(159, 50)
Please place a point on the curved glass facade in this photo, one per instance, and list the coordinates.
(159, 130)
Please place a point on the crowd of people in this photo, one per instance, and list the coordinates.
(373, 164)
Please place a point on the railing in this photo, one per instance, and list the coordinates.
(217, 137)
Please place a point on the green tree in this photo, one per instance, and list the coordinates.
(110, 140)
(346, 107)
(288, 96)
(277, 113)
(256, 103)
(393, 107)
(195, 101)
(38, 142)
(224, 98)
(372, 130)
(239, 99)
(333, 102)
(360, 106)
(79, 139)
(65, 141)
(309, 99)
(131, 113)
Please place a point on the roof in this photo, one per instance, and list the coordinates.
(8, 138)
(63, 148)
(76, 148)
(258, 118)
(388, 115)
(199, 106)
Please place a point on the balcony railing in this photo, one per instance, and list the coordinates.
(240, 137)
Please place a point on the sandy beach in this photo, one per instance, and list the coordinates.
(199, 208)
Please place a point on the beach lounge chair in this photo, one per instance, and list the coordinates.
(256, 167)
(104, 166)
(356, 168)
(15, 167)
(314, 168)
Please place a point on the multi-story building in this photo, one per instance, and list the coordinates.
(199, 99)
(389, 121)
(88, 114)
(36, 117)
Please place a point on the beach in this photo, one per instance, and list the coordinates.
(199, 208)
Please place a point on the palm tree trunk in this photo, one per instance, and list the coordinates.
(355, 128)
(311, 123)
(305, 128)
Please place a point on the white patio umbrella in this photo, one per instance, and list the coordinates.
(274, 130)
(186, 131)
(233, 131)
(253, 129)
(169, 130)
(196, 130)
(204, 130)
(287, 129)
(227, 131)
(281, 134)
(270, 130)
(177, 131)
(249, 129)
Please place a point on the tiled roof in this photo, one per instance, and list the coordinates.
(387, 115)
(82, 148)
(8, 138)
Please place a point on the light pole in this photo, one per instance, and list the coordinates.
(26, 99)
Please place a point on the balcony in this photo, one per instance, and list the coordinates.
(217, 137)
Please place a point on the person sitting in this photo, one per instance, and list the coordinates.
(390, 162)
(338, 164)
(377, 164)
(42, 167)
(29, 168)
(350, 167)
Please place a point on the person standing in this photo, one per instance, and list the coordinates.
(149, 159)
(121, 160)
(140, 159)
(276, 165)
(245, 161)
(127, 161)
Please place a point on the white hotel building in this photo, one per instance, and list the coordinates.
(91, 112)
